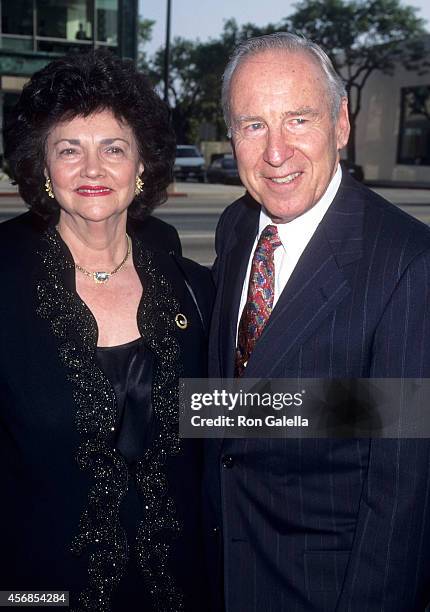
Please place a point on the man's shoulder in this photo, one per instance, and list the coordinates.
(384, 223)
(243, 206)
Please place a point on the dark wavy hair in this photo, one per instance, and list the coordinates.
(80, 85)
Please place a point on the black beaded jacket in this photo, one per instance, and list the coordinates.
(61, 481)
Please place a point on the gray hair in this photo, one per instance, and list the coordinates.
(287, 42)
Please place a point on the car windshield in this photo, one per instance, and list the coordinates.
(229, 164)
(187, 152)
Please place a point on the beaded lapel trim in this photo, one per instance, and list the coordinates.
(100, 529)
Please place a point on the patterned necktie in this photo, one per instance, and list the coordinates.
(259, 302)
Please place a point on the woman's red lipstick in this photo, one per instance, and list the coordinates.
(93, 191)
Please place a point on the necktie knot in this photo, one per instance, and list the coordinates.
(269, 239)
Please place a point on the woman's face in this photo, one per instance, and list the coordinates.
(92, 163)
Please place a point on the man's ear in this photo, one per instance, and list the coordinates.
(342, 125)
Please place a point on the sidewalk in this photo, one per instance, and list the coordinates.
(7, 189)
(396, 195)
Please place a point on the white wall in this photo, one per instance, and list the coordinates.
(378, 128)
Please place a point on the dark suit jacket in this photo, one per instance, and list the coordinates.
(62, 484)
(321, 524)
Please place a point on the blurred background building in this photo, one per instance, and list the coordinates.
(34, 32)
(393, 129)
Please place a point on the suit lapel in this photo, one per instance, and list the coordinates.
(315, 288)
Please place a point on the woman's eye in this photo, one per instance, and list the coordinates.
(114, 150)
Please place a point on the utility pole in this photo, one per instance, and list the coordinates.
(167, 54)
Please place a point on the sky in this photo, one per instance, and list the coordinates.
(205, 18)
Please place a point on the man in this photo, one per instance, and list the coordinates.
(316, 524)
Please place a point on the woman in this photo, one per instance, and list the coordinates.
(99, 495)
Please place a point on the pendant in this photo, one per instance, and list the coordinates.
(101, 277)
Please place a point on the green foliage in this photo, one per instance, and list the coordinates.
(195, 77)
(360, 36)
(144, 36)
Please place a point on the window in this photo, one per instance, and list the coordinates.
(107, 21)
(59, 26)
(414, 133)
(17, 17)
(182, 151)
(64, 19)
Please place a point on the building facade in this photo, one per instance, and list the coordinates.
(34, 32)
(393, 127)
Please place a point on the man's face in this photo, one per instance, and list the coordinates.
(285, 140)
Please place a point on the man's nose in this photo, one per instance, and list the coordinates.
(278, 148)
(93, 165)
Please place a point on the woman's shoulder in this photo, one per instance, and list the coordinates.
(194, 272)
(199, 281)
(155, 234)
(21, 234)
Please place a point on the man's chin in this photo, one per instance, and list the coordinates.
(284, 212)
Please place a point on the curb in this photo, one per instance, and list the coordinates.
(172, 193)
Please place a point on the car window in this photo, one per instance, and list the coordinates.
(229, 164)
(187, 152)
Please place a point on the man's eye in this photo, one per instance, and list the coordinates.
(67, 152)
(299, 121)
(253, 127)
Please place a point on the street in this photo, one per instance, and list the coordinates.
(195, 209)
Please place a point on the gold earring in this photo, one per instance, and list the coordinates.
(139, 185)
(48, 188)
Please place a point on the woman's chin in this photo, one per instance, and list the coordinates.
(96, 213)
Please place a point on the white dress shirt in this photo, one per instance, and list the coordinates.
(295, 236)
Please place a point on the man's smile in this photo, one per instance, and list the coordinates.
(285, 179)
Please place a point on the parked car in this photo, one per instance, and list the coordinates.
(224, 170)
(189, 163)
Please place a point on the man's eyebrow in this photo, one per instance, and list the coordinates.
(240, 118)
(105, 141)
(304, 110)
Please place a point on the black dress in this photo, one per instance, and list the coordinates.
(100, 497)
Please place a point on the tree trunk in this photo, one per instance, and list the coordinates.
(179, 125)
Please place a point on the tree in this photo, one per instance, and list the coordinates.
(195, 78)
(144, 35)
(361, 36)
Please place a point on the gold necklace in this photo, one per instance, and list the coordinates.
(100, 276)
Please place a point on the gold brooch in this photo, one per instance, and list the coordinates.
(181, 321)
